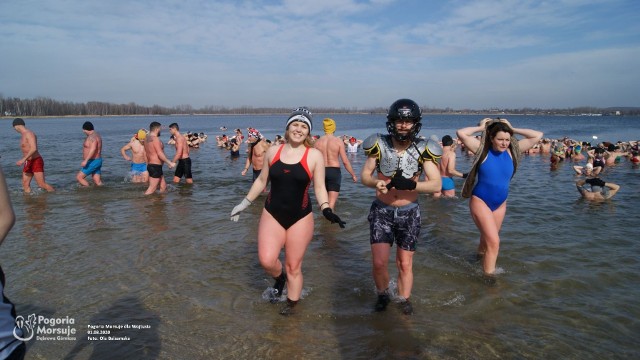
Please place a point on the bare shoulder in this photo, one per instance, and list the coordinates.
(29, 135)
(271, 152)
(314, 157)
(315, 153)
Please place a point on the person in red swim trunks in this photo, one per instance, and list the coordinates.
(31, 161)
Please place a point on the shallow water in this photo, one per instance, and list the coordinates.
(568, 285)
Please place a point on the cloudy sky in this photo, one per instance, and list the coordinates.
(338, 53)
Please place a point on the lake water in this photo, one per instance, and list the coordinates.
(176, 265)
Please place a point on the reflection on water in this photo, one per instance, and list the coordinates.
(174, 261)
(35, 209)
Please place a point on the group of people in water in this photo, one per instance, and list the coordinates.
(147, 156)
(399, 166)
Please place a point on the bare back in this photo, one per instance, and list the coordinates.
(332, 149)
(447, 163)
(138, 153)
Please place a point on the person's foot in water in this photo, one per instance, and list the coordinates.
(278, 287)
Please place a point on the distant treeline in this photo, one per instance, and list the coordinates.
(43, 106)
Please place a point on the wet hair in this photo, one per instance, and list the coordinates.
(174, 126)
(87, 126)
(154, 125)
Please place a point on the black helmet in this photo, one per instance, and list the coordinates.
(404, 109)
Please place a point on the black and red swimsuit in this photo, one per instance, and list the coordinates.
(288, 201)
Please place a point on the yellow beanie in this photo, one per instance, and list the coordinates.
(329, 126)
(141, 135)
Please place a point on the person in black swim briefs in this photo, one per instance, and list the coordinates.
(155, 158)
(287, 219)
(258, 147)
(496, 160)
(332, 148)
(181, 157)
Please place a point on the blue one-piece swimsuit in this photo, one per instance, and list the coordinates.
(494, 176)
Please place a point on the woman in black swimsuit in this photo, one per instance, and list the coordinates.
(287, 219)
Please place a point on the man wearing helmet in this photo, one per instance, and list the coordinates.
(394, 167)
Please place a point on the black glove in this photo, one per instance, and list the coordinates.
(464, 175)
(335, 219)
(595, 182)
(401, 183)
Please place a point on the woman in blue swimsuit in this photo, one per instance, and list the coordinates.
(287, 219)
(487, 186)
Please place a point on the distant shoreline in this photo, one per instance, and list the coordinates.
(285, 114)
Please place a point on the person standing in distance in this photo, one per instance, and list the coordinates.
(258, 147)
(91, 156)
(497, 156)
(287, 219)
(447, 167)
(181, 158)
(154, 148)
(31, 160)
(332, 149)
(394, 165)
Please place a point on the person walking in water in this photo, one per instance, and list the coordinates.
(138, 157)
(154, 148)
(181, 157)
(497, 156)
(91, 156)
(447, 167)
(31, 160)
(287, 218)
(257, 149)
(394, 166)
(332, 149)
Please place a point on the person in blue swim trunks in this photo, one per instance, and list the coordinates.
(447, 167)
(496, 160)
(91, 156)
(138, 157)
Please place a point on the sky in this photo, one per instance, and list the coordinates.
(359, 54)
